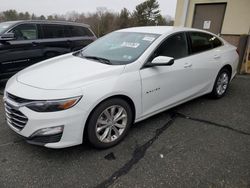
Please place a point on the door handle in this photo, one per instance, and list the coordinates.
(216, 56)
(187, 65)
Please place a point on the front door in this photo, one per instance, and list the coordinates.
(21, 52)
(163, 86)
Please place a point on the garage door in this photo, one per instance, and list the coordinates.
(209, 16)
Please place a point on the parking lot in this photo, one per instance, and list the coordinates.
(203, 143)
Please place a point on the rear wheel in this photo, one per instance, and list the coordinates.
(109, 123)
(221, 84)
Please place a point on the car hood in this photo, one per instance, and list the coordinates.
(66, 72)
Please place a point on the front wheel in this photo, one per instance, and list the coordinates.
(221, 84)
(109, 123)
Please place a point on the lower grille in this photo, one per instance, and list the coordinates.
(14, 117)
(39, 140)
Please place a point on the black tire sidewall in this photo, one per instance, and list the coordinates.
(91, 132)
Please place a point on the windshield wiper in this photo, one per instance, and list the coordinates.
(100, 59)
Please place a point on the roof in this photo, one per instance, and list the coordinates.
(47, 22)
(158, 29)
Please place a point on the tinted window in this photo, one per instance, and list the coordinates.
(78, 31)
(175, 46)
(25, 32)
(201, 41)
(215, 42)
(67, 31)
(53, 31)
(88, 32)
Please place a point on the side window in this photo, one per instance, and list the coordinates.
(215, 42)
(52, 31)
(67, 30)
(175, 46)
(25, 32)
(88, 32)
(200, 42)
(77, 31)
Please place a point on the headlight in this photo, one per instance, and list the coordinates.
(53, 105)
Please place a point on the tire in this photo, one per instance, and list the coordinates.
(103, 131)
(221, 84)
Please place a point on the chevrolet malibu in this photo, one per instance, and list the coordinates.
(122, 78)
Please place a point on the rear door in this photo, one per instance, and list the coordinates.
(206, 57)
(54, 40)
(21, 52)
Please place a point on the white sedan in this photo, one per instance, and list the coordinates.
(122, 78)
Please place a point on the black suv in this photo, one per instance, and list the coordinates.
(23, 43)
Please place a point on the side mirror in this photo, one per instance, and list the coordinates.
(161, 61)
(7, 37)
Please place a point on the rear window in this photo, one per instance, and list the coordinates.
(215, 42)
(202, 41)
(78, 31)
(52, 31)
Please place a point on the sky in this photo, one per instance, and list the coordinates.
(48, 7)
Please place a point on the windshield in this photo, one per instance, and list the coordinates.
(119, 48)
(4, 26)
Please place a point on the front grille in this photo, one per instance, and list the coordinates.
(14, 117)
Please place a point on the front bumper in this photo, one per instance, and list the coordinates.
(73, 121)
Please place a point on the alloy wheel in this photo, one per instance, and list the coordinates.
(222, 83)
(111, 123)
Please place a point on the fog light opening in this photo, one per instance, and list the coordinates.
(48, 131)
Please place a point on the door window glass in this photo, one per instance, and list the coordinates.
(25, 32)
(88, 32)
(215, 42)
(52, 31)
(67, 31)
(77, 31)
(175, 46)
(200, 42)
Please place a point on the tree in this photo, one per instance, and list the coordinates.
(103, 20)
(148, 13)
(42, 17)
(33, 17)
(106, 21)
(26, 16)
(2, 18)
(50, 17)
(72, 16)
(10, 15)
(124, 19)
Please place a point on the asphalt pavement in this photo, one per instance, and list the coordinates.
(202, 143)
